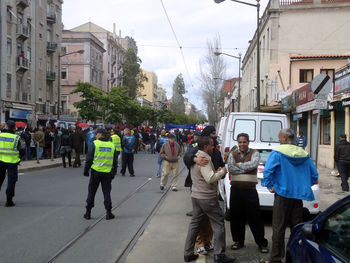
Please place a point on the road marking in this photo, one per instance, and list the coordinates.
(20, 173)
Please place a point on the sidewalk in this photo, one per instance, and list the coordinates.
(164, 238)
(32, 165)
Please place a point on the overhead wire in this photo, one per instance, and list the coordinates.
(178, 43)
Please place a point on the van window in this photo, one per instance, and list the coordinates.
(244, 126)
(269, 130)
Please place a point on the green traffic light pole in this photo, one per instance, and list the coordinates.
(257, 5)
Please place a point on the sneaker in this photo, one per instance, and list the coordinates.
(109, 216)
(209, 248)
(174, 189)
(161, 187)
(9, 203)
(132, 175)
(202, 251)
(123, 174)
(158, 175)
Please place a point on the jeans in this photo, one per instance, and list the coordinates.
(27, 153)
(160, 160)
(41, 150)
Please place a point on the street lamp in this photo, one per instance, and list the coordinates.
(257, 5)
(239, 75)
(81, 51)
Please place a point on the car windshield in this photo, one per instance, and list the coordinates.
(264, 155)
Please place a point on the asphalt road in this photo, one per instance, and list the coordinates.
(49, 208)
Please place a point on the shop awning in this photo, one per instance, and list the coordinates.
(274, 108)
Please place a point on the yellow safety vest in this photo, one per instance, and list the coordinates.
(116, 142)
(9, 147)
(103, 156)
(194, 145)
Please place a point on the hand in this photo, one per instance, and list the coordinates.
(201, 161)
(272, 190)
(224, 169)
(86, 174)
(112, 175)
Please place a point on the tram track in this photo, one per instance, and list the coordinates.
(125, 252)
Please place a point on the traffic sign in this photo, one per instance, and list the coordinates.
(321, 84)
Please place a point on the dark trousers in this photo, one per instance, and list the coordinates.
(211, 208)
(64, 158)
(106, 183)
(127, 160)
(286, 211)
(245, 207)
(77, 162)
(12, 177)
(344, 169)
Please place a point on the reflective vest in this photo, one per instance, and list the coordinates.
(103, 156)
(194, 145)
(9, 148)
(116, 142)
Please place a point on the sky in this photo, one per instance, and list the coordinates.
(195, 22)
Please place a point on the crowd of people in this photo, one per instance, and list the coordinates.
(289, 174)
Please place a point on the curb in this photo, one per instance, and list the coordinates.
(28, 169)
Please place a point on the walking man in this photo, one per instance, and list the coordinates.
(101, 158)
(289, 174)
(171, 154)
(129, 147)
(9, 160)
(244, 200)
(205, 202)
(161, 140)
(342, 158)
(78, 143)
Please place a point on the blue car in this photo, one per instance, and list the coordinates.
(324, 239)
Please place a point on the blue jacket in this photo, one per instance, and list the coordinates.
(304, 141)
(91, 137)
(291, 172)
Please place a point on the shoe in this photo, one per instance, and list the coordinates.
(161, 187)
(267, 260)
(264, 249)
(109, 215)
(189, 214)
(209, 248)
(174, 189)
(123, 174)
(222, 258)
(9, 203)
(190, 258)
(158, 175)
(132, 175)
(87, 215)
(202, 251)
(237, 245)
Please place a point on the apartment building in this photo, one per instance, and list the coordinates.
(150, 88)
(114, 56)
(77, 65)
(30, 34)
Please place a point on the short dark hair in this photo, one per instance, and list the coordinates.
(243, 135)
(343, 135)
(203, 141)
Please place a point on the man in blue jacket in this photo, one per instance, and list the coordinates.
(129, 146)
(289, 174)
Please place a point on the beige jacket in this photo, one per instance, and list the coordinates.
(204, 179)
(166, 154)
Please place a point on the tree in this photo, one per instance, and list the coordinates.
(132, 76)
(212, 71)
(89, 107)
(178, 101)
(117, 103)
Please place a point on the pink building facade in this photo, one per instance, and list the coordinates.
(86, 67)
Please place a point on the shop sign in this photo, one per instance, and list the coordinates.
(345, 103)
(342, 80)
(18, 114)
(289, 103)
(305, 95)
(312, 105)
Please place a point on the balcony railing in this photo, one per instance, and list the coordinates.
(296, 2)
(51, 18)
(50, 75)
(22, 64)
(51, 47)
(23, 3)
(22, 32)
(114, 59)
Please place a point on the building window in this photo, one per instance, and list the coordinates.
(9, 46)
(64, 73)
(9, 14)
(326, 130)
(8, 86)
(63, 50)
(306, 75)
(41, 63)
(29, 54)
(329, 72)
(19, 89)
(29, 92)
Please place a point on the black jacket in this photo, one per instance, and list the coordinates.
(342, 152)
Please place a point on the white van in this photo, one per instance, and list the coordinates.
(263, 129)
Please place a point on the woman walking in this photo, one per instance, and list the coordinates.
(66, 148)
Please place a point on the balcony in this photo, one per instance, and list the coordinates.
(23, 3)
(51, 18)
(22, 32)
(51, 47)
(51, 76)
(22, 64)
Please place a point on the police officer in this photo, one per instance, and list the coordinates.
(101, 158)
(9, 160)
(117, 143)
